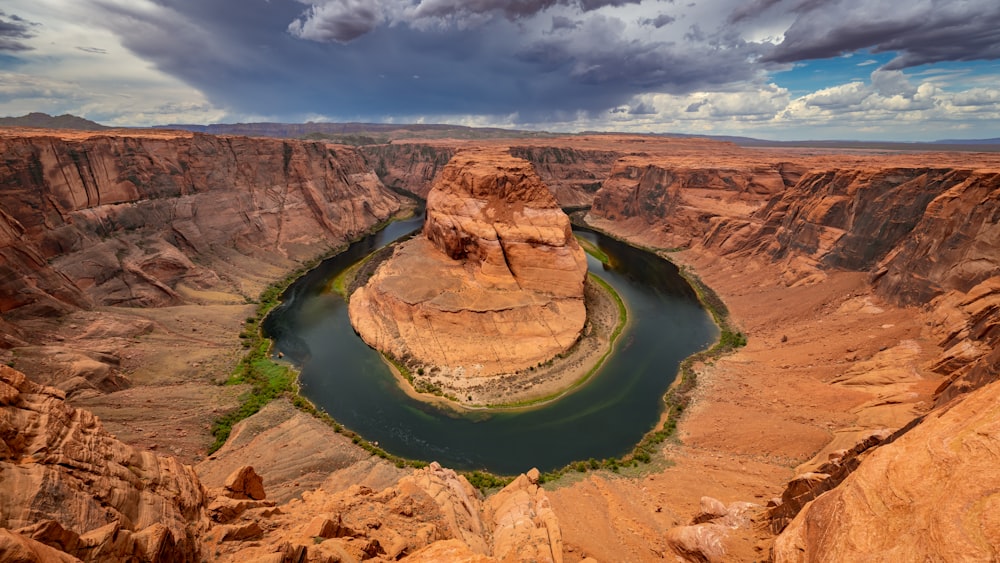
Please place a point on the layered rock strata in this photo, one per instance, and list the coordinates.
(73, 492)
(67, 482)
(929, 496)
(677, 204)
(134, 219)
(142, 219)
(493, 285)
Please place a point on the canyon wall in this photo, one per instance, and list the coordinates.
(572, 174)
(145, 220)
(132, 220)
(675, 205)
(410, 167)
(927, 236)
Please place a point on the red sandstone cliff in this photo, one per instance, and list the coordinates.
(127, 220)
(572, 174)
(675, 205)
(926, 234)
(410, 167)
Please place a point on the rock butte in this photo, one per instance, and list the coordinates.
(868, 284)
(494, 283)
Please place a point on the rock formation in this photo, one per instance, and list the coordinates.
(410, 167)
(71, 491)
(493, 286)
(90, 222)
(929, 496)
(69, 484)
(573, 175)
(677, 204)
(131, 220)
(152, 219)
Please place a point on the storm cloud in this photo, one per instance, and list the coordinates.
(13, 31)
(525, 61)
(919, 32)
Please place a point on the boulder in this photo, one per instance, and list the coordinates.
(245, 483)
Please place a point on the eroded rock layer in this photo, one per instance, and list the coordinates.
(130, 219)
(494, 284)
(67, 481)
(932, 495)
(73, 492)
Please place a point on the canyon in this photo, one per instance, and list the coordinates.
(858, 422)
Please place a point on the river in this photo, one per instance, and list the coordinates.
(604, 418)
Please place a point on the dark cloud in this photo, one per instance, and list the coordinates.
(93, 50)
(357, 59)
(13, 30)
(341, 21)
(750, 10)
(659, 21)
(512, 9)
(642, 109)
(693, 108)
(562, 22)
(247, 62)
(935, 31)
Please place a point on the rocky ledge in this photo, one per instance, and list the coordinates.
(495, 283)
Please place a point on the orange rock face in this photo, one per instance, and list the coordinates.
(493, 286)
(126, 219)
(67, 481)
(929, 496)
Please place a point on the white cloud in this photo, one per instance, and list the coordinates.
(82, 69)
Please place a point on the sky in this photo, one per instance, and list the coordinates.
(776, 69)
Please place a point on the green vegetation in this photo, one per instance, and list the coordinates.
(267, 379)
(486, 481)
(593, 250)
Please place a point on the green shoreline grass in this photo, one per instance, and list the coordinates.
(270, 380)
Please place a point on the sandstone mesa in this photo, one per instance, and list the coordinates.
(493, 285)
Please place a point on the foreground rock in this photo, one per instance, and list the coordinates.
(73, 492)
(931, 495)
(493, 286)
(71, 485)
